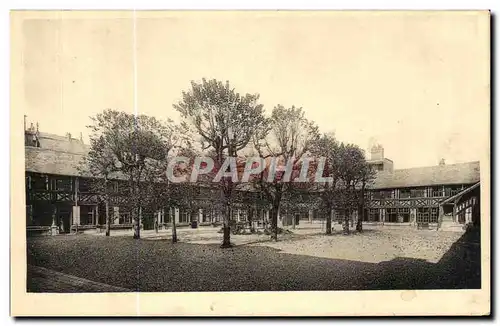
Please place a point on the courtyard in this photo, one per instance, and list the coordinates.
(303, 260)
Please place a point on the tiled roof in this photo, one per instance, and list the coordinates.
(48, 161)
(63, 144)
(63, 156)
(461, 173)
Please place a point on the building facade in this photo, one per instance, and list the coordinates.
(59, 198)
(440, 196)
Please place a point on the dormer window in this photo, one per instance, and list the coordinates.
(33, 141)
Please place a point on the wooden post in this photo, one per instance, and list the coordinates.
(454, 217)
(116, 215)
(76, 208)
(54, 228)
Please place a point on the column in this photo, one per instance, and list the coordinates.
(200, 215)
(76, 208)
(96, 215)
(116, 215)
(413, 215)
(176, 215)
(76, 215)
(354, 217)
(382, 215)
(311, 213)
(454, 216)
(140, 217)
(54, 229)
(280, 218)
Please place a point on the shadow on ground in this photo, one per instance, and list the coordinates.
(149, 266)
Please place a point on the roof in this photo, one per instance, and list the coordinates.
(452, 198)
(63, 156)
(461, 173)
(61, 143)
(47, 161)
(378, 161)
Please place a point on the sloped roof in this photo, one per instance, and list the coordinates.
(63, 156)
(461, 173)
(48, 161)
(60, 143)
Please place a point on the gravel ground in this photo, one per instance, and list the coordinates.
(373, 245)
(145, 265)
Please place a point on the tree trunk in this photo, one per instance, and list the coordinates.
(174, 229)
(274, 222)
(137, 224)
(346, 222)
(226, 239)
(250, 221)
(329, 220)
(108, 219)
(359, 224)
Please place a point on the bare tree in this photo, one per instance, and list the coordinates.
(354, 175)
(326, 149)
(99, 164)
(286, 135)
(135, 147)
(225, 121)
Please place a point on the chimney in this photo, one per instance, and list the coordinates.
(68, 135)
(377, 152)
(442, 162)
(81, 136)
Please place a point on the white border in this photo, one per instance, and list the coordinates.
(186, 4)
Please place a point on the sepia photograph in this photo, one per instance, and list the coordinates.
(268, 157)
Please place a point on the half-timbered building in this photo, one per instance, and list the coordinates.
(441, 196)
(59, 198)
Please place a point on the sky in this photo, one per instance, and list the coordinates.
(417, 83)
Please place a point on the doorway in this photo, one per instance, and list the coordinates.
(64, 219)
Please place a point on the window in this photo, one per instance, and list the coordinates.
(415, 193)
(404, 193)
(434, 215)
(437, 192)
(125, 218)
(403, 215)
(84, 185)
(29, 215)
(339, 215)
(374, 215)
(216, 216)
(62, 184)
(391, 215)
(427, 215)
(38, 183)
(184, 217)
(383, 194)
(86, 215)
(244, 215)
